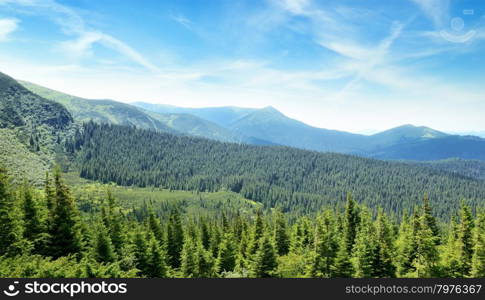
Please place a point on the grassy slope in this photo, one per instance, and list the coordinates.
(109, 111)
(17, 158)
(92, 193)
(105, 111)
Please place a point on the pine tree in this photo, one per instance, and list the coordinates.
(50, 195)
(103, 248)
(384, 266)
(351, 222)
(430, 219)
(65, 235)
(281, 234)
(10, 229)
(265, 261)
(478, 259)
(426, 261)
(406, 244)
(204, 234)
(205, 261)
(364, 252)
(33, 227)
(465, 240)
(156, 262)
(155, 227)
(189, 259)
(117, 235)
(256, 234)
(142, 256)
(226, 258)
(175, 238)
(325, 247)
(343, 266)
(451, 256)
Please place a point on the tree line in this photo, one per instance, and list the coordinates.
(298, 181)
(44, 234)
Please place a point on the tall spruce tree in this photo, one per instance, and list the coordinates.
(65, 234)
(325, 247)
(343, 266)
(10, 229)
(226, 258)
(364, 252)
(429, 218)
(426, 262)
(465, 240)
(156, 267)
(265, 261)
(141, 253)
(34, 229)
(175, 238)
(384, 266)
(189, 260)
(478, 259)
(280, 233)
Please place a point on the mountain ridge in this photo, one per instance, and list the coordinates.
(268, 126)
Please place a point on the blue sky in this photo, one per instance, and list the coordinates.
(348, 65)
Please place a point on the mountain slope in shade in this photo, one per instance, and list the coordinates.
(20, 107)
(270, 124)
(453, 146)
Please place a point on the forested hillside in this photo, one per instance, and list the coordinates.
(48, 234)
(294, 180)
(32, 131)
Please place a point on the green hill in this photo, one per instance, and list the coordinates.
(33, 130)
(21, 107)
(104, 111)
(296, 180)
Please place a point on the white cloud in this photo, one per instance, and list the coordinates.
(73, 24)
(7, 26)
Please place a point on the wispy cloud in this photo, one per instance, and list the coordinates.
(73, 24)
(182, 20)
(7, 26)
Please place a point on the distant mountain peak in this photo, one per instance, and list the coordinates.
(406, 132)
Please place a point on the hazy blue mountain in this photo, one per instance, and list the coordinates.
(403, 134)
(109, 111)
(266, 126)
(223, 116)
(271, 125)
(452, 146)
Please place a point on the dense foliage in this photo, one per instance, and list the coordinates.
(294, 180)
(44, 234)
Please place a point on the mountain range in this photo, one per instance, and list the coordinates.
(37, 132)
(407, 142)
(265, 126)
